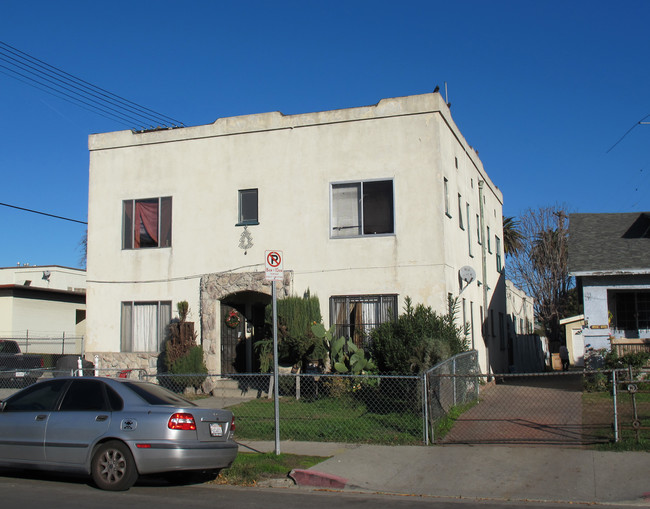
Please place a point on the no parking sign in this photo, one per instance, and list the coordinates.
(273, 262)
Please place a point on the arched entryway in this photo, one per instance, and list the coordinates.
(230, 349)
(239, 335)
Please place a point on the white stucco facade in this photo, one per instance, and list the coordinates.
(293, 162)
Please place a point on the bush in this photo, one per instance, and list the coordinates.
(635, 359)
(417, 340)
(191, 364)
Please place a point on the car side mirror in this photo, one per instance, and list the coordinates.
(3, 404)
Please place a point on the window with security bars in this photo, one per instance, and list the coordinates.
(355, 316)
(631, 310)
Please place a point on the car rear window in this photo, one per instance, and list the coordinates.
(156, 395)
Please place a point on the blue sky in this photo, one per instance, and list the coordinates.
(541, 89)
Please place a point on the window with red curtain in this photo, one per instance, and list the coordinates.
(147, 223)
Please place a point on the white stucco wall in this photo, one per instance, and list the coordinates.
(292, 161)
(32, 304)
(45, 317)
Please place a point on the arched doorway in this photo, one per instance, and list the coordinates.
(248, 293)
(238, 336)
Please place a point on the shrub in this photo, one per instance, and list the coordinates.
(191, 364)
(635, 359)
(418, 339)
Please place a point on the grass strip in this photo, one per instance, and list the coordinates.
(249, 469)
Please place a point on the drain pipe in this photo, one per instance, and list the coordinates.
(481, 183)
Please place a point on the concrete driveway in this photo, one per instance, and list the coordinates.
(543, 409)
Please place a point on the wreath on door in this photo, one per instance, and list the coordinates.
(233, 319)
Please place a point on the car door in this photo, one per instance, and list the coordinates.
(83, 416)
(23, 421)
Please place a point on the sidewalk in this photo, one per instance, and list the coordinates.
(486, 472)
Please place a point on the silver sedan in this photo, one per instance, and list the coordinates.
(113, 430)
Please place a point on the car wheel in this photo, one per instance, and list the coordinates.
(113, 467)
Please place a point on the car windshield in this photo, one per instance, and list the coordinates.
(156, 395)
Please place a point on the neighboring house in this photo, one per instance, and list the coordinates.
(609, 254)
(368, 205)
(42, 302)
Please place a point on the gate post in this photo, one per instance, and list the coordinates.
(425, 408)
(615, 405)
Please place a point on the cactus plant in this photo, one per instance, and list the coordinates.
(345, 356)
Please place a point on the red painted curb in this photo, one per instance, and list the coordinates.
(316, 478)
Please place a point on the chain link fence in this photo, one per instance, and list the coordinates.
(452, 403)
(26, 358)
(451, 386)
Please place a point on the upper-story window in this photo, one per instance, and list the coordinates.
(497, 247)
(248, 207)
(469, 231)
(460, 212)
(489, 242)
(362, 208)
(147, 223)
(446, 189)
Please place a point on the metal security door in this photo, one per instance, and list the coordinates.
(230, 339)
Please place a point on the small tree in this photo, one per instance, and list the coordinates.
(540, 266)
(296, 341)
(182, 337)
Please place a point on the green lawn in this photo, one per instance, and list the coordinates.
(598, 413)
(342, 419)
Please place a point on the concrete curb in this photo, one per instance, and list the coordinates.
(317, 479)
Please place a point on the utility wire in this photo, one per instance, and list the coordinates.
(113, 118)
(62, 95)
(94, 90)
(62, 85)
(640, 122)
(43, 213)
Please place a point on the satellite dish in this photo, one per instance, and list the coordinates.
(467, 274)
(46, 275)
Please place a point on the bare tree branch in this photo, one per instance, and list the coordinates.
(540, 266)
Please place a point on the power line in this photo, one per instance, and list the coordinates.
(640, 122)
(93, 89)
(61, 84)
(43, 213)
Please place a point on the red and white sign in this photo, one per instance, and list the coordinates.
(273, 262)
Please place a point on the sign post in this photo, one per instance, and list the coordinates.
(273, 262)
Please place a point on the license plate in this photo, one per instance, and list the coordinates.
(20, 374)
(216, 430)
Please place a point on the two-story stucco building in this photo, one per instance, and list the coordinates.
(368, 205)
